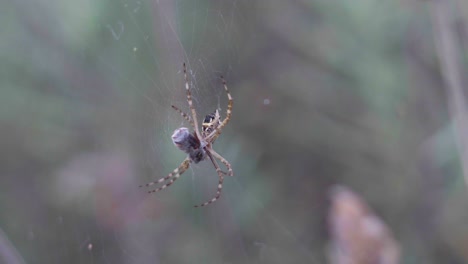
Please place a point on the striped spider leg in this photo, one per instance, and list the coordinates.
(220, 182)
(173, 176)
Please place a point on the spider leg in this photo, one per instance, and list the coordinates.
(184, 115)
(213, 135)
(223, 160)
(230, 103)
(190, 102)
(228, 111)
(220, 183)
(215, 164)
(175, 174)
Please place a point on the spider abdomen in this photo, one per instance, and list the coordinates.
(189, 144)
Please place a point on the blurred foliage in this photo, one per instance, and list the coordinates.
(326, 92)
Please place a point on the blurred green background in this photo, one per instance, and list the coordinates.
(326, 92)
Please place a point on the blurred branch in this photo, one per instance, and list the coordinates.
(8, 252)
(448, 51)
(357, 234)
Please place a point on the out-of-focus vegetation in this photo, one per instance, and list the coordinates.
(326, 92)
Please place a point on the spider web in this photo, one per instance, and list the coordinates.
(227, 226)
(96, 213)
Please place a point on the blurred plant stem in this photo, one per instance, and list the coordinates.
(8, 252)
(358, 235)
(448, 51)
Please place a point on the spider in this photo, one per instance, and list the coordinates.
(198, 145)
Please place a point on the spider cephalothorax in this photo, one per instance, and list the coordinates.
(198, 144)
(211, 122)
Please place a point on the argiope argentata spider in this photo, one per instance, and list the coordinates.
(198, 145)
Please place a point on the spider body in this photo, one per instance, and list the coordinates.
(198, 144)
(189, 144)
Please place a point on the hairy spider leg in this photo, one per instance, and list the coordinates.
(190, 102)
(217, 131)
(223, 160)
(215, 164)
(174, 175)
(220, 183)
(184, 115)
